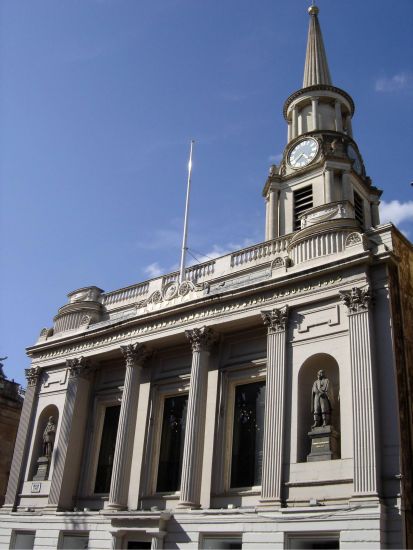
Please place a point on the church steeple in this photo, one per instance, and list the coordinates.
(316, 69)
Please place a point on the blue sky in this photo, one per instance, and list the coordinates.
(100, 98)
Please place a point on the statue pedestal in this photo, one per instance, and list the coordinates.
(42, 473)
(324, 444)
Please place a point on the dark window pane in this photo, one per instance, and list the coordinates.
(172, 443)
(138, 545)
(107, 449)
(248, 435)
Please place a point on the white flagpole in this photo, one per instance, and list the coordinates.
(188, 190)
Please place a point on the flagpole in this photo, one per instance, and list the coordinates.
(184, 239)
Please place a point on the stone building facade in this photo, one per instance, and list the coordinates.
(11, 404)
(262, 402)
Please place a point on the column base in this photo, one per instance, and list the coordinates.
(188, 505)
(365, 500)
(266, 503)
(7, 509)
(113, 506)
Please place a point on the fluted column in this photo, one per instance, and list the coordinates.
(201, 340)
(362, 390)
(273, 448)
(22, 439)
(135, 355)
(68, 446)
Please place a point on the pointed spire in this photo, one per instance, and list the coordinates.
(316, 67)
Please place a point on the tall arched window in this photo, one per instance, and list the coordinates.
(306, 377)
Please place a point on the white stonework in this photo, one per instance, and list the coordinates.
(184, 365)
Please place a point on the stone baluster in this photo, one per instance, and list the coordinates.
(358, 301)
(135, 356)
(68, 446)
(23, 439)
(201, 340)
(273, 449)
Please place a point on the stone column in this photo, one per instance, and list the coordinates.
(329, 185)
(273, 448)
(22, 444)
(135, 355)
(68, 447)
(347, 188)
(201, 340)
(358, 301)
(375, 214)
(157, 540)
(294, 129)
(349, 126)
(273, 214)
(339, 116)
(314, 112)
(289, 131)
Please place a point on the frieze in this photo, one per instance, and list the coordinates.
(216, 310)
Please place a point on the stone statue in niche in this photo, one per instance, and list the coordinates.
(321, 401)
(324, 438)
(49, 435)
(43, 462)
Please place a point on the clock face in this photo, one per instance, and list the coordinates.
(353, 155)
(303, 153)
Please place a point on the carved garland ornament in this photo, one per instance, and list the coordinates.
(357, 299)
(276, 319)
(135, 354)
(201, 339)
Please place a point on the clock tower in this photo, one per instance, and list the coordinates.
(320, 192)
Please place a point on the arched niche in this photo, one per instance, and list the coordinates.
(50, 410)
(306, 377)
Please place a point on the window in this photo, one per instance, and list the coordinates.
(321, 542)
(220, 542)
(107, 449)
(172, 443)
(248, 431)
(23, 540)
(138, 545)
(359, 208)
(74, 541)
(303, 200)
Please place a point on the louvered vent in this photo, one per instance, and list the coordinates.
(303, 200)
(359, 208)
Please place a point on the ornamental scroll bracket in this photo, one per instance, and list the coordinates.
(201, 339)
(135, 354)
(275, 319)
(357, 299)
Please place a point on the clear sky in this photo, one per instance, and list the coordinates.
(100, 98)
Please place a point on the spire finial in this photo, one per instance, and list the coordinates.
(316, 69)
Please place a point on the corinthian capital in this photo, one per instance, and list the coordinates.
(357, 299)
(32, 375)
(135, 354)
(276, 319)
(201, 339)
(78, 367)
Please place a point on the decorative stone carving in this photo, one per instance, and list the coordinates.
(332, 211)
(276, 319)
(278, 263)
(32, 375)
(357, 299)
(85, 321)
(49, 435)
(78, 367)
(87, 294)
(46, 332)
(201, 339)
(135, 354)
(354, 239)
(273, 171)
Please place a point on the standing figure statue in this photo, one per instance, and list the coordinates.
(49, 435)
(321, 400)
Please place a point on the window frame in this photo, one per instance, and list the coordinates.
(160, 391)
(311, 536)
(231, 377)
(77, 534)
(16, 532)
(220, 536)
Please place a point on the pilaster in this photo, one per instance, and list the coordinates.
(273, 214)
(329, 185)
(358, 302)
(314, 112)
(68, 449)
(273, 449)
(338, 115)
(135, 356)
(201, 340)
(23, 439)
